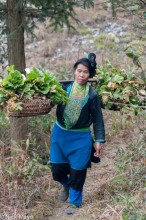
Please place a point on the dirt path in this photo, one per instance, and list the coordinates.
(97, 176)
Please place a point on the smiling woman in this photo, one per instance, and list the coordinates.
(71, 141)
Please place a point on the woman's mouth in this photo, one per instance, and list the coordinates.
(81, 80)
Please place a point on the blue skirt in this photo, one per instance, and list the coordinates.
(71, 146)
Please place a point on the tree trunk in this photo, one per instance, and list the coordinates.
(16, 54)
(16, 57)
(18, 131)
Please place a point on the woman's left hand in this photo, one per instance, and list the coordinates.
(97, 149)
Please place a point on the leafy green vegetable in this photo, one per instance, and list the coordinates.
(117, 79)
(118, 88)
(117, 94)
(2, 96)
(13, 81)
(38, 83)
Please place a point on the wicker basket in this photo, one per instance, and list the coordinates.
(31, 108)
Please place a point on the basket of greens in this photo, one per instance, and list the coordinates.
(30, 95)
(120, 89)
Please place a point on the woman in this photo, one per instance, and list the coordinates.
(71, 140)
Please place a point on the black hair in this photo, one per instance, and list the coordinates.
(89, 62)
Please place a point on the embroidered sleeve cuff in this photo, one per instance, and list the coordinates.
(100, 140)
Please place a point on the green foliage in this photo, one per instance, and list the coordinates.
(130, 5)
(85, 31)
(60, 12)
(134, 8)
(104, 42)
(118, 88)
(14, 81)
(32, 167)
(4, 129)
(3, 30)
(3, 39)
(144, 15)
(87, 3)
(130, 53)
(39, 136)
(64, 72)
(16, 87)
(137, 7)
(136, 60)
(3, 54)
(39, 132)
(23, 176)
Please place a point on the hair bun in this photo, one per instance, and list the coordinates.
(92, 59)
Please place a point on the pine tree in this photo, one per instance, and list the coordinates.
(22, 15)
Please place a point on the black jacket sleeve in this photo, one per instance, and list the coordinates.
(97, 118)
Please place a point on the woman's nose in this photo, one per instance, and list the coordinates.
(81, 73)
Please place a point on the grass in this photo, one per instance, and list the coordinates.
(121, 196)
(27, 186)
(128, 187)
(115, 188)
(25, 176)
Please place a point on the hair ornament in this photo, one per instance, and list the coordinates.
(92, 59)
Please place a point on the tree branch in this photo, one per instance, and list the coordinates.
(143, 2)
(3, 8)
(32, 12)
(28, 11)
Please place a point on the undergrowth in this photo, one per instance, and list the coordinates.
(25, 176)
(128, 187)
(27, 188)
(121, 194)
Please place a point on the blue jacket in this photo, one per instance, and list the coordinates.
(91, 113)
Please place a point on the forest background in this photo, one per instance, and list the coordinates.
(115, 188)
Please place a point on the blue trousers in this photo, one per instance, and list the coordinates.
(69, 156)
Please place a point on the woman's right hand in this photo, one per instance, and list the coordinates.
(97, 149)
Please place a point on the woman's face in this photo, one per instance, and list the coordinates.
(81, 74)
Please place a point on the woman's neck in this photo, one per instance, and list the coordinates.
(79, 85)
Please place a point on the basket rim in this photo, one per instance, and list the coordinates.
(31, 107)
